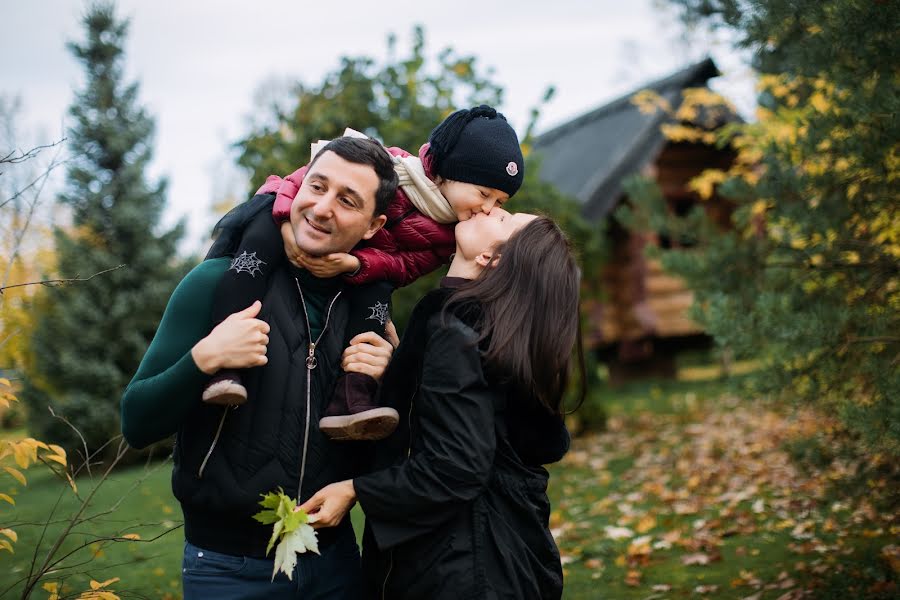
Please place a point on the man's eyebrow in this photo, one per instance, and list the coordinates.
(355, 195)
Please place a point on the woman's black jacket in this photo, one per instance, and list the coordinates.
(458, 507)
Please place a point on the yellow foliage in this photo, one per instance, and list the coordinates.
(703, 102)
(892, 162)
(682, 133)
(704, 183)
(53, 588)
(759, 207)
(98, 593)
(649, 102)
(818, 101)
(17, 475)
(97, 585)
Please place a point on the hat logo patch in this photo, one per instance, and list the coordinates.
(512, 169)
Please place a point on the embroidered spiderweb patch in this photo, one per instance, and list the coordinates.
(247, 263)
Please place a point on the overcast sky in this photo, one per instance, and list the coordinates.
(201, 62)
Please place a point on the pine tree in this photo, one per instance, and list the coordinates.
(90, 336)
(807, 278)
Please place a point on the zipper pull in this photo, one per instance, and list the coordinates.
(311, 361)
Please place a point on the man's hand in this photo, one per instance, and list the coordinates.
(330, 505)
(238, 342)
(329, 265)
(369, 353)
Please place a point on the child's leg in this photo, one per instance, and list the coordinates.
(353, 413)
(243, 283)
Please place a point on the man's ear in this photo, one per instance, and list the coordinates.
(376, 224)
(487, 259)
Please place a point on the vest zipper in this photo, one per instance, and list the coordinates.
(214, 442)
(311, 364)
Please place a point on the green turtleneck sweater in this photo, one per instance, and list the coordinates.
(168, 382)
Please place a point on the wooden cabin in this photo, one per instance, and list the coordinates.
(642, 321)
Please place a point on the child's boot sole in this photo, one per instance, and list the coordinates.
(225, 392)
(373, 424)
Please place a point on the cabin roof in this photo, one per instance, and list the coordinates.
(589, 156)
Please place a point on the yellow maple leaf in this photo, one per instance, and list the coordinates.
(96, 585)
(53, 588)
(10, 534)
(17, 474)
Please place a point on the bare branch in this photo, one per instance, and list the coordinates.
(40, 179)
(19, 235)
(875, 339)
(59, 282)
(76, 518)
(12, 158)
(78, 433)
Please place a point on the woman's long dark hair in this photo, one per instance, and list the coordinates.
(526, 311)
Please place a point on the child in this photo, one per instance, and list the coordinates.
(471, 163)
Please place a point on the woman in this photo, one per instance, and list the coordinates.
(459, 508)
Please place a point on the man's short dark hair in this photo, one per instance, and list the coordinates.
(366, 151)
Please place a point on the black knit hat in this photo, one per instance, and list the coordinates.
(478, 146)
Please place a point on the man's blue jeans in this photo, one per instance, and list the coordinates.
(335, 575)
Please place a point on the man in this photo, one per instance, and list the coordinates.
(290, 346)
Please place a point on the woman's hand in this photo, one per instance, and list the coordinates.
(369, 353)
(238, 342)
(330, 505)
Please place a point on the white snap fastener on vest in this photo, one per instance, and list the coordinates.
(199, 555)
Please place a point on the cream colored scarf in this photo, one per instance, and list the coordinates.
(421, 191)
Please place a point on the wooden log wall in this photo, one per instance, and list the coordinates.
(643, 301)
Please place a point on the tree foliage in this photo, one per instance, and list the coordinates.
(806, 278)
(89, 338)
(399, 102)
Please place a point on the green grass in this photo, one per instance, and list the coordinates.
(809, 514)
(148, 510)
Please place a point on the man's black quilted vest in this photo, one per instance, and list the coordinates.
(225, 458)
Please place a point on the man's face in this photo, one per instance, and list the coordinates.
(333, 208)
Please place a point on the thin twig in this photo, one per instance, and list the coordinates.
(33, 581)
(58, 282)
(11, 159)
(43, 176)
(81, 437)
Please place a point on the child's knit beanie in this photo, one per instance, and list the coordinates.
(478, 146)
